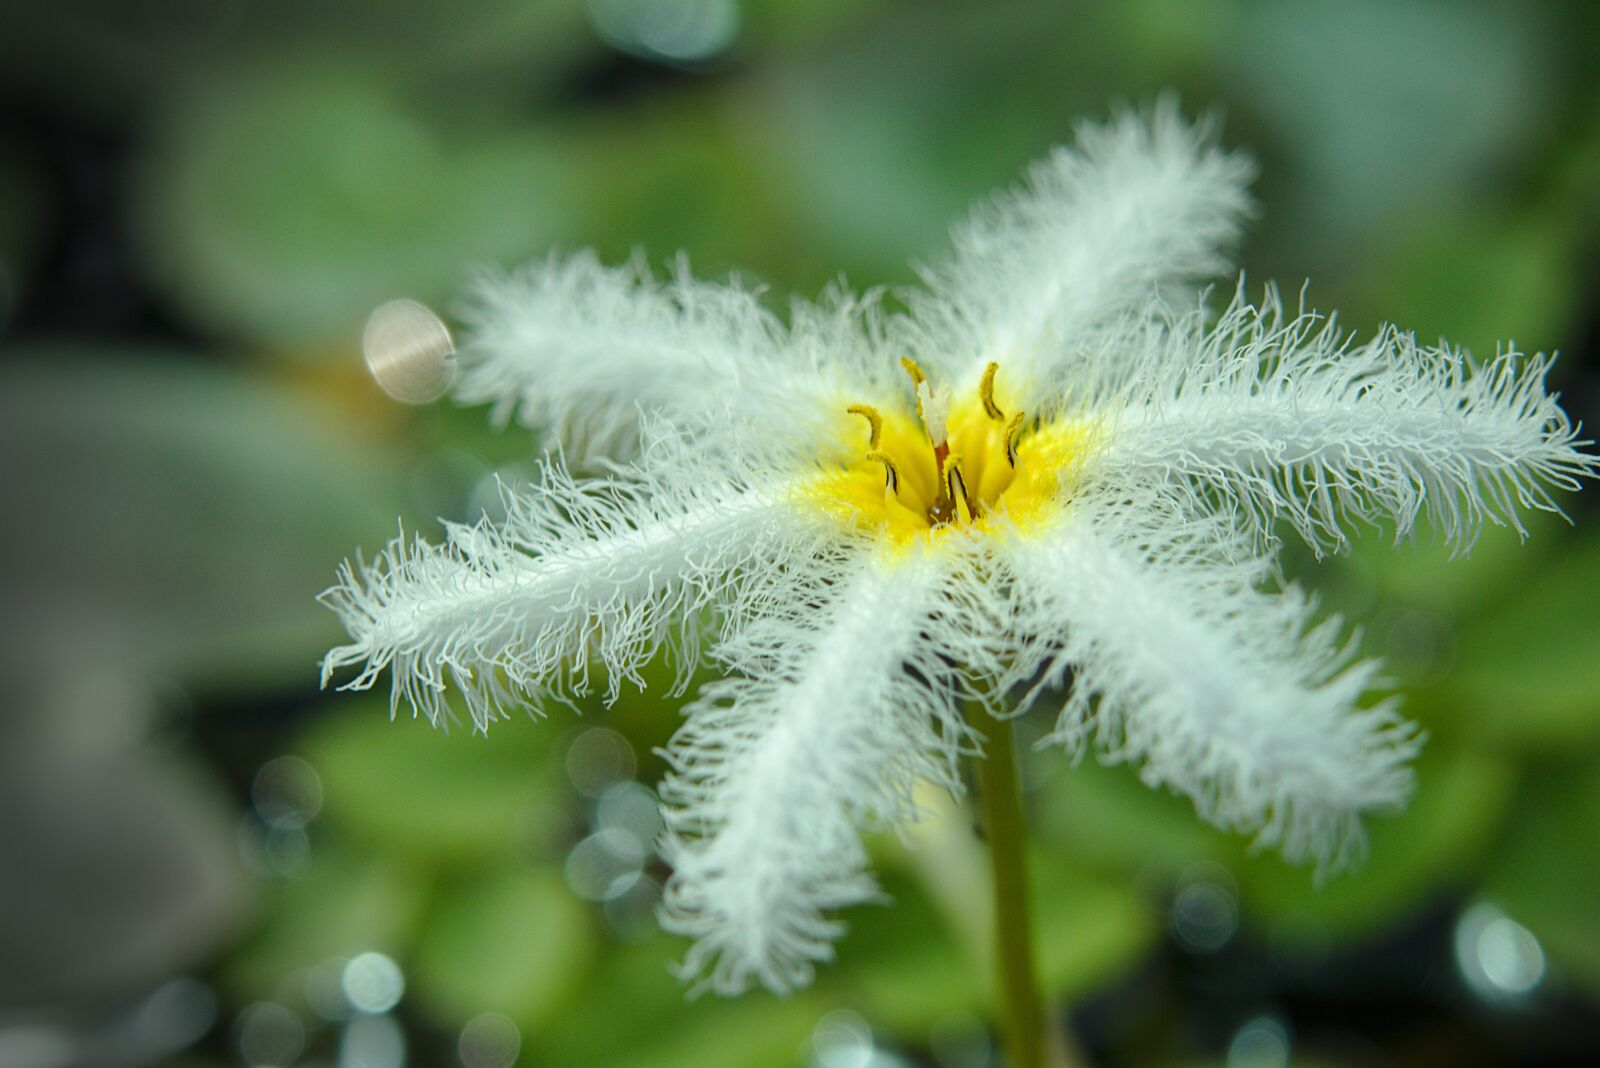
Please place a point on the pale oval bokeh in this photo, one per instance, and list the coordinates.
(409, 352)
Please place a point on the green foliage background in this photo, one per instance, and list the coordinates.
(189, 447)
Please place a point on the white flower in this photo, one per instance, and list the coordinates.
(1073, 478)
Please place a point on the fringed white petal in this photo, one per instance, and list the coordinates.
(579, 350)
(837, 713)
(1141, 204)
(1284, 416)
(1224, 693)
(578, 572)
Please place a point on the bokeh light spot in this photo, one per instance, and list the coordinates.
(409, 352)
(842, 1039)
(373, 983)
(1205, 910)
(372, 1042)
(176, 1015)
(270, 1035)
(631, 915)
(287, 792)
(631, 807)
(1500, 959)
(324, 990)
(605, 865)
(489, 1041)
(675, 31)
(1262, 1042)
(599, 759)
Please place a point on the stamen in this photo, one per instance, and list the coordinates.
(874, 420)
(986, 393)
(956, 488)
(914, 370)
(917, 379)
(891, 474)
(1013, 431)
(944, 494)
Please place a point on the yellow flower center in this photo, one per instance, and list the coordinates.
(959, 463)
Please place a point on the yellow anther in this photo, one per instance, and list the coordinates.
(918, 379)
(874, 420)
(986, 393)
(891, 473)
(953, 469)
(1013, 431)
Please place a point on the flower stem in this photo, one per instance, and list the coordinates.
(1000, 796)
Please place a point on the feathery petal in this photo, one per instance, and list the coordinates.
(515, 610)
(579, 350)
(1140, 205)
(835, 719)
(1226, 694)
(1287, 418)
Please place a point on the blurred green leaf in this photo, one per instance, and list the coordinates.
(1547, 867)
(286, 199)
(113, 59)
(644, 1015)
(121, 864)
(1481, 280)
(182, 517)
(438, 797)
(1386, 107)
(1425, 574)
(1526, 673)
(508, 46)
(899, 965)
(783, 24)
(1491, 649)
(347, 903)
(904, 967)
(1174, 34)
(1435, 845)
(511, 940)
(1104, 817)
(888, 136)
(1090, 930)
(709, 195)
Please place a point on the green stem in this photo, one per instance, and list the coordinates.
(1000, 795)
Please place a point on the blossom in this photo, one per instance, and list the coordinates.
(1055, 468)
